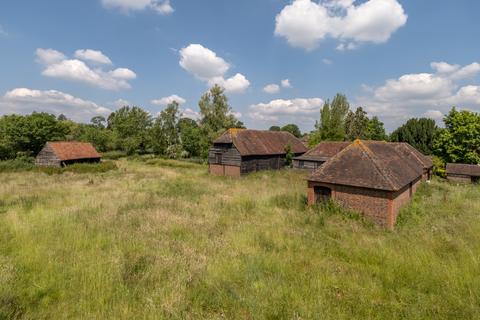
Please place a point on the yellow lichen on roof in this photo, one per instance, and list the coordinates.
(234, 131)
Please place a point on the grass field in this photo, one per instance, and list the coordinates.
(162, 239)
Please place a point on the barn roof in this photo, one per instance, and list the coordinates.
(370, 164)
(324, 150)
(72, 150)
(464, 169)
(425, 161)
(258, 142)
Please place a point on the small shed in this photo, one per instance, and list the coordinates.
(375, 178)
(460, 172)
(240, 151)
(62, 153)
(318, 155)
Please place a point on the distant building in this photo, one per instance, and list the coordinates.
(375, 178)
(62, 153)
(459, 172)
(316, 156)
(240, 151)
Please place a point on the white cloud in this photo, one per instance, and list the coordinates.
(119, 103)
(305, 23)
(205, 65)
(424, 94)
(92, 56)
(160, 6)
(58, 66)
(167, 100)
(301, 111)
(272, 88)
(191, 114)
(25, 101)
(286, 83)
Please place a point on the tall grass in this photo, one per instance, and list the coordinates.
(163, 239)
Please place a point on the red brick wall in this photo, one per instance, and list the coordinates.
(223, 170)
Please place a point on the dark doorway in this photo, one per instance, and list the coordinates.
(476, 180)
(218, 158)
(322, 194)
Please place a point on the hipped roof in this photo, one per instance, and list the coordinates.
(324, 150)
(370, 164)
(258, 142)
(72, 150)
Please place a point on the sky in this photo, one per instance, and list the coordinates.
(278, 60)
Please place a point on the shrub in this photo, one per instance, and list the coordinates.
(101, 167)
(16, 165)
(113, 155)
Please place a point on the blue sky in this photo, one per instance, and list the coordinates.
(396, 58)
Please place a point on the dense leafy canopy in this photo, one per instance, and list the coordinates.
(420, 133)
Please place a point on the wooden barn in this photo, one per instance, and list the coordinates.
(63, 153)
(374, 178)
(240, 151)
(459, 172)
(318, 155)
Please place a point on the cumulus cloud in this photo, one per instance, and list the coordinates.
(57, 65)
(25, 101)
(206, 66)
(160, 6)
(119, 103)
(189, 113)
(272, 88)
(305, 23)
(424, 94)
(92, 56)
(167, 100)
(286, 83)
(301, 111)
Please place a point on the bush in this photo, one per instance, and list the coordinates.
(113, 155)
(16, 165)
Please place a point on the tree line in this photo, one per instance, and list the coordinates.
(132, 130)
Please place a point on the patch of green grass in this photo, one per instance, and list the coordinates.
(163, 239)
(81, 168)
(16, 165)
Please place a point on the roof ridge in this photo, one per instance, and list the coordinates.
(374, 161)
(322, 167)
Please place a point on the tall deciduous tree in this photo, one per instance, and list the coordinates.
(376, 130)
(216, 116)
(166, 132)
(420, 133)
(332, 120)
(460, 140)
(130, 125)
(356, 125)
(190, 136)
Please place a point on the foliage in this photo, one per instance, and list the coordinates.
(332, 120)
(17, 165)
(289, 155)
(190, 136)
(420, 133)
(28, 134)
(439, 167)
(165, 133)
(460, 140)
(293, 129)
(274, 128)
(216, 117)
(130, 126)
(376, 130)
(81, 168)
(356, 125)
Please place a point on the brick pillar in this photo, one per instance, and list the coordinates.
(311, 194)
(390, 218)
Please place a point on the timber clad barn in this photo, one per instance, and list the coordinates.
(315, 157)
(459, 172)
(240, 151)
(62, 153)
(375, 178)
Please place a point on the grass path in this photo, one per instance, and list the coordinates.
(162, 239)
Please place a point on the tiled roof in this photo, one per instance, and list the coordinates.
(72, 150)
(257, 142)
(324, 150)
(426, 162)
(463, 169)
(370, 164)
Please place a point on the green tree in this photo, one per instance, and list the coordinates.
(166, 132)
(274, 128)
(216, 117)
(28, 134)
(293, 129)
(420, 133)
(376, 130)
(98, 122)
(356, 125)
(459, 142)
(190, 136)
(332, 121)
(130, 126)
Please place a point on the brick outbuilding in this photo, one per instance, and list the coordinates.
(318, 155)
(240, 151)
(459, 172)
(62, 153)
(374, 178)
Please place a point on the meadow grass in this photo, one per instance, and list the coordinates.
(163, 239)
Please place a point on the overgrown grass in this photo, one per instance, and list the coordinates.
(103, 166)
(163, 239)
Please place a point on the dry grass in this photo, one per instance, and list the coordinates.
(162, 239)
